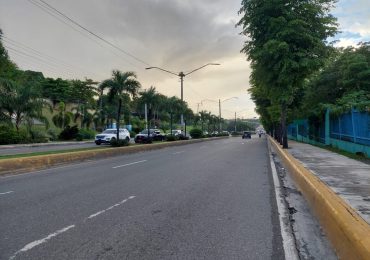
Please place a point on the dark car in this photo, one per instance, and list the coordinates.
(154, 135)
(246, 135)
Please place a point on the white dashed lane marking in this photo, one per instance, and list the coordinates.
(3, 193)
(35, 243)
(31, 245)
(128, 164)
(111, 207)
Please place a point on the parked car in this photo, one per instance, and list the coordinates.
(226, 133)
(246, 135)
(109, 135)
(176, 132)
(154, 135)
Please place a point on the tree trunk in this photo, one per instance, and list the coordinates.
(284, 136)
(119, 117)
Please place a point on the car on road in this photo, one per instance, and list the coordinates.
(110, 135)
(246, 135)
(154, 135)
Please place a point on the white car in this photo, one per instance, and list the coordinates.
(110, 135)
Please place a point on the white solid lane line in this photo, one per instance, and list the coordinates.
(128, 164)
(41, 241)
(111, 207)
(289, 246)
(178, 152)
(3, 193)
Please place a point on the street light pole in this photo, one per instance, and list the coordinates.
(235, 124)
(219, 116)
(182, 75)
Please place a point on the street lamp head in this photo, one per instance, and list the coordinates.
(149, 68)
(214, 63)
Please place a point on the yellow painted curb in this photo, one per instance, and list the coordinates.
(39, 162)
(347, 231)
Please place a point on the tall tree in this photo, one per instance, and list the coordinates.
(286, 43)
(21, 100)
(121, 83)
(57, 90)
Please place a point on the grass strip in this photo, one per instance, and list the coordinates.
(10, 156)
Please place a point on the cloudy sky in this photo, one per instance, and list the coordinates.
(177, 35)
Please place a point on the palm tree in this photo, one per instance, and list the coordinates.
(63, 118)
(121, 83)
(204, 116)
(149, 97)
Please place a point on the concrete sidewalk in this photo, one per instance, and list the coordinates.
(348, 178)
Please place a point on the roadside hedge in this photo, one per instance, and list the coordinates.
(196, 133)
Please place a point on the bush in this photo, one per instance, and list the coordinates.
(171, 138)
(132, 134)
(222, 134)
(79, 137)
(119, 143)
(38, 136)
(52, 133)
(69, 133)
(9, 135)
(86, 133)
(235, 134)
(183, 137)
(196, 133)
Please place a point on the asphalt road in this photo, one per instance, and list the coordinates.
(211, 200)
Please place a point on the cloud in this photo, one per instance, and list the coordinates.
(354, 23)
(179, 35)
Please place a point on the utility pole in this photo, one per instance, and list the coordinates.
(198, 107)
(146, 120)
(182, 75)
(235, 123)
(219, 115)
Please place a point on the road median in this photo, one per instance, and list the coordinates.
(347, 231)
(40, 162)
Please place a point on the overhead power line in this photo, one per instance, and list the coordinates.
(45, 56)
(45, 9)
(32, 62)
(84, 33)
(94, 34)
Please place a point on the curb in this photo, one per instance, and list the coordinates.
(347, 231)
(40, 162)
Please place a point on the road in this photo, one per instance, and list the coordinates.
(210, 200)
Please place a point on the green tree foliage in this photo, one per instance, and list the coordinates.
(84, 91)
(21, 100)
(57, 90)
(286, 44)
(343, 84)
(8, 69)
